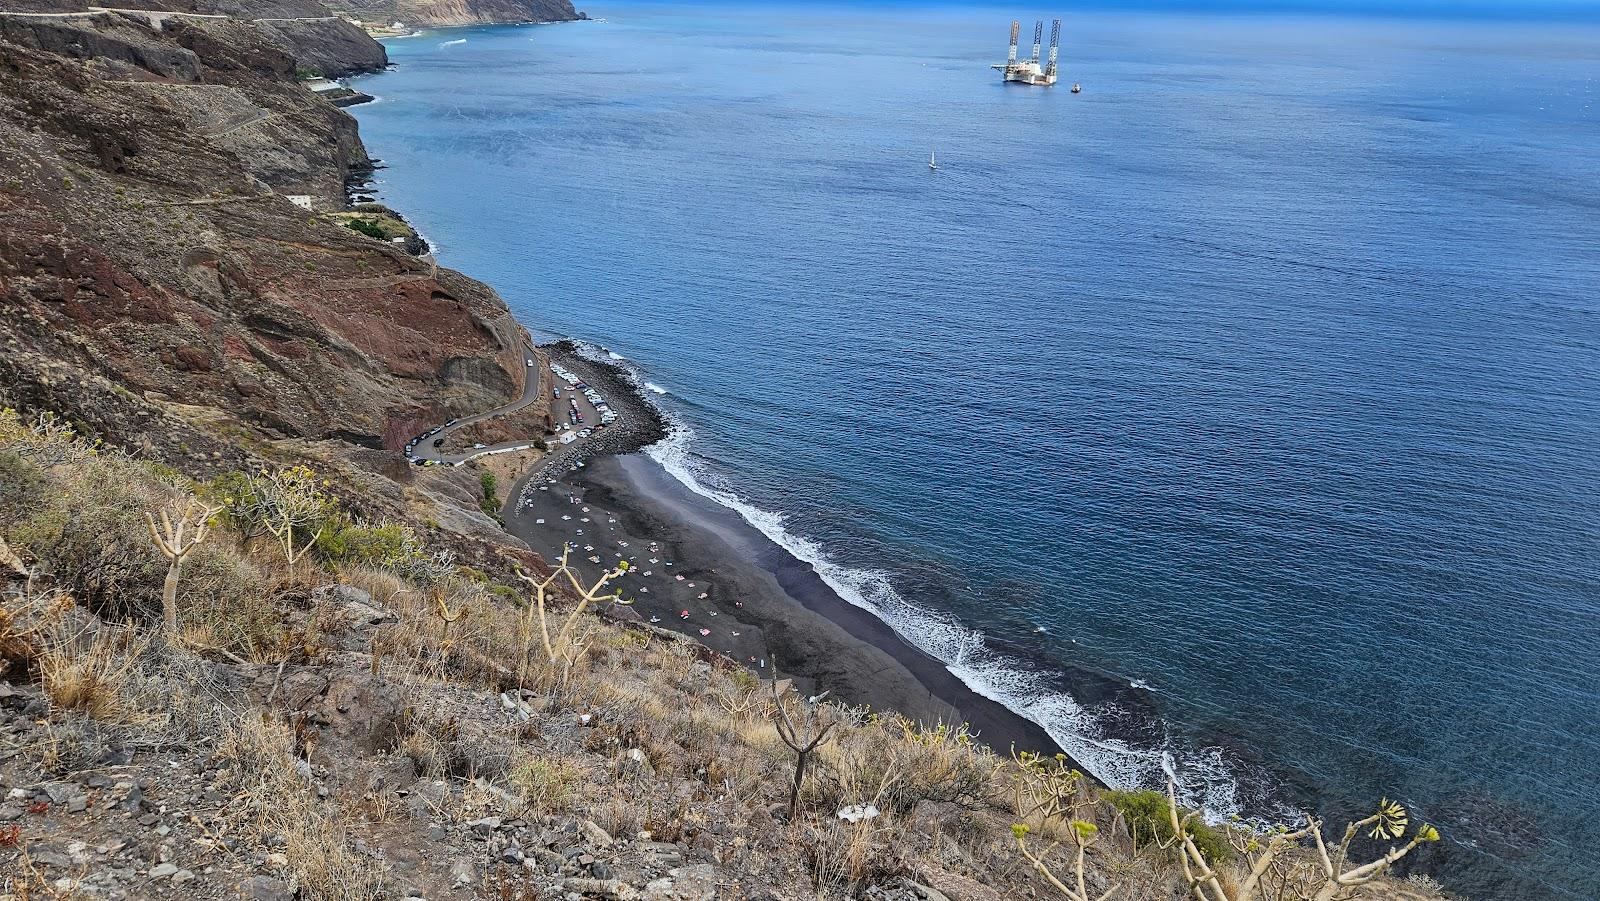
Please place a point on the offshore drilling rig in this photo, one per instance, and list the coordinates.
(1029, 72)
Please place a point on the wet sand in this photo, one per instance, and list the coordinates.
(760, 605)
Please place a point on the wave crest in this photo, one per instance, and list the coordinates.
(1208, 784)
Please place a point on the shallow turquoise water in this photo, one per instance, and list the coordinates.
(1262, 375)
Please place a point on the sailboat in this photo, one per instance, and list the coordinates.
(931, 163)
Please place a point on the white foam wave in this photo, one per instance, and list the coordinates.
(1208, 784)
(630, 372)
(454, 42)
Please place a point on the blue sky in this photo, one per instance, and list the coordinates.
(1444, 8)
(1447, 9)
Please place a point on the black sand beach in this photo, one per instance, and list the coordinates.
(700, 569)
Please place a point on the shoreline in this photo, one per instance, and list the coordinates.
(638, 483)
(760, 604)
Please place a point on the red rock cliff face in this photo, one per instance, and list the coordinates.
(157, 285)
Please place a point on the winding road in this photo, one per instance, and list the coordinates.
(421, 449)
(537, 385)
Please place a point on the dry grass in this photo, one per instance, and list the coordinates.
(274, 793)
(96, 674)
(231, 600)
(25, 881)
(548, 783)
(843, 857)
(706, 731)
(27, 620)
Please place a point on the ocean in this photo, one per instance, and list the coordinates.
(1240, 411)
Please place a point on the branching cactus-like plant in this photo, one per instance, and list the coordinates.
(1081, 834)
(288, 502)
(1270, 876)
(447, 618)
(176, 538)
(1047, 791)
(560, 649)
(802, 739)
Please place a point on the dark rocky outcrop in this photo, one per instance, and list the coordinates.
(331, 47)
(313, 37)
(411, 12)
(106, 38)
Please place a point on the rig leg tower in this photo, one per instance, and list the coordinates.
(1030, 71)
(1055, 46)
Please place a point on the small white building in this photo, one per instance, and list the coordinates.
(302, 201)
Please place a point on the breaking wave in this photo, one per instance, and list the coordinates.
(1208, 776)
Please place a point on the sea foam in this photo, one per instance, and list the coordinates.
(1207, 782)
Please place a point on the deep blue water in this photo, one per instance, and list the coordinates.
(1263, 375)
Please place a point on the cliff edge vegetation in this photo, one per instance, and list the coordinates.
(239, 686)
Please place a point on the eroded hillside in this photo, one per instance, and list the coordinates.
(159, 281)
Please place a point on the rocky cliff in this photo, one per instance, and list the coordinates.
(461, 12)
(304, 29)
(411, 12)
(327, 46)
(159, 285)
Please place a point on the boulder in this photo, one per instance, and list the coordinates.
(594, 835)
(692, 883)
(956, 888)
(365, 710)
(264, 888)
